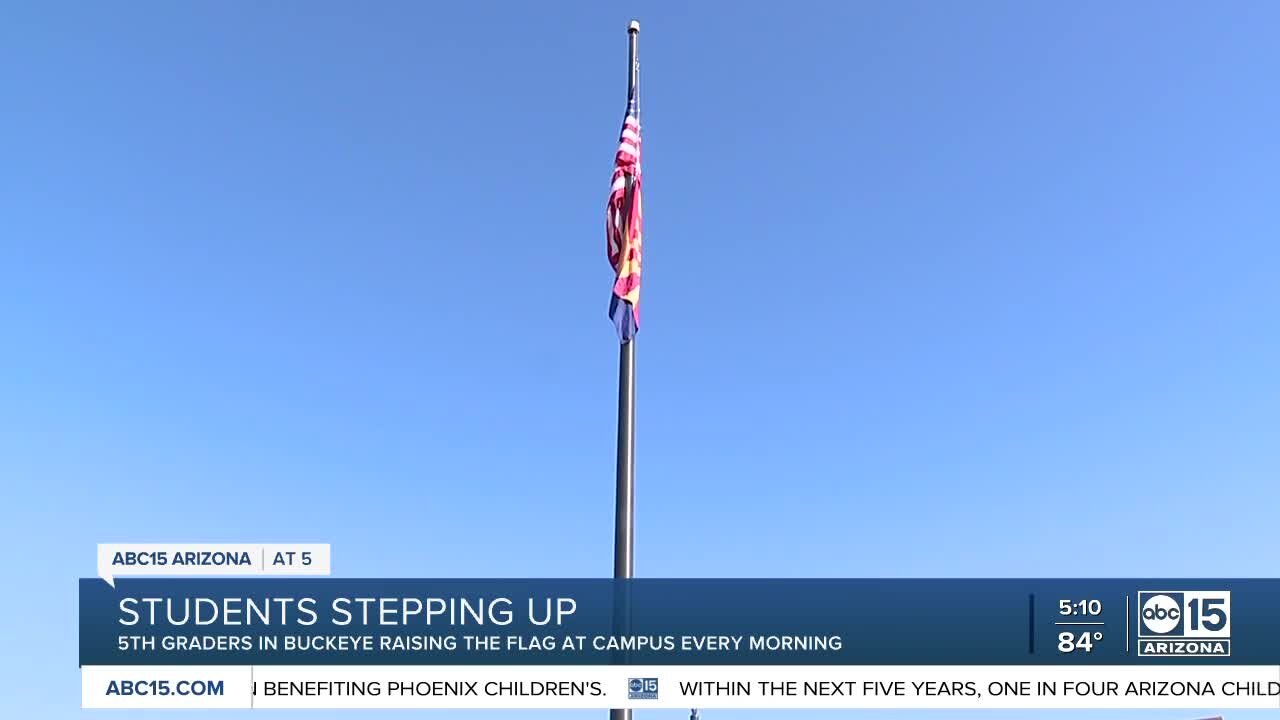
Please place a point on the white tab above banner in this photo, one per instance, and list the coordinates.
(211, 559)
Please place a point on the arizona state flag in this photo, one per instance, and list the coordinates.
(624, 225)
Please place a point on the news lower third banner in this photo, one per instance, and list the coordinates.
(413, 643)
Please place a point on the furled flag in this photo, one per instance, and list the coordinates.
(624, 225)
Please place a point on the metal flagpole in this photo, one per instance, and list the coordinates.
(624, 505)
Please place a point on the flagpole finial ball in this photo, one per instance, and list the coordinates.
(634, 26)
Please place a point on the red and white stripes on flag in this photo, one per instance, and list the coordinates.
(624, 228)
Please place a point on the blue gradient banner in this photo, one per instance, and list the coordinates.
(678, 622)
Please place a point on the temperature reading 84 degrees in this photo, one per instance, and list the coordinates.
(1069, 642)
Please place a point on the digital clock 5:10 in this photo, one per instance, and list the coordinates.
(1079, 607)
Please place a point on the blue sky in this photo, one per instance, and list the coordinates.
(932, 289)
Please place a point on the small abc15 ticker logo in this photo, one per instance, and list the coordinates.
(642, 688)
(1184, 623)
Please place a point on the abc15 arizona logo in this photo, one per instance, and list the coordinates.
(1186, 623)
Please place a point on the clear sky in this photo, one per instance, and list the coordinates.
(931, 289)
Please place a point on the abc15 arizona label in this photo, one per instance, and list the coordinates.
(1184, 623)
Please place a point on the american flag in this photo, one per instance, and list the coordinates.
(624, 225)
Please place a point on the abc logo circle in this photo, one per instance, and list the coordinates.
(1161, 614)
(635, 685)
